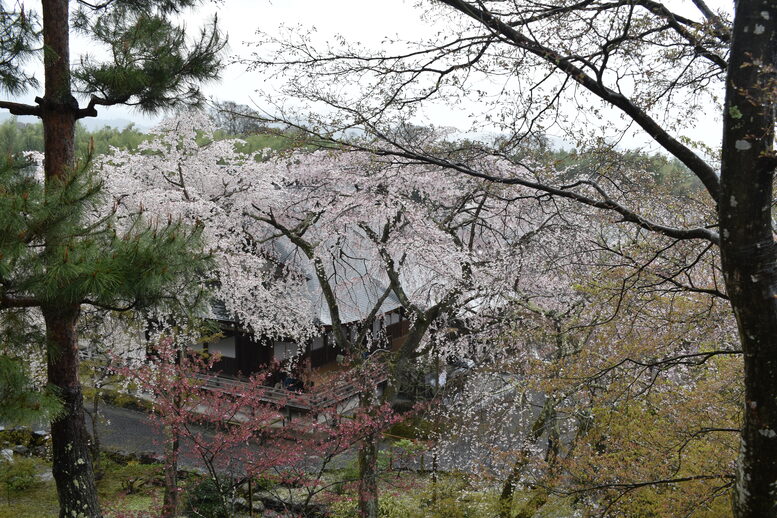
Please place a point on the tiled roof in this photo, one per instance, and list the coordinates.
(356, 288)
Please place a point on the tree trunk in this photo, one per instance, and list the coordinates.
(368, 478)
(170, 498)
(172, 447)
(58, 105)
(71, 458)
(72, 463)
(748, 249)
(368, 459)
(94, 415)
(507, 494)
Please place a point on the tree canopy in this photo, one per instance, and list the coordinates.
(592, 70)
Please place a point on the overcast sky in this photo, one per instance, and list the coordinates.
(365, 21)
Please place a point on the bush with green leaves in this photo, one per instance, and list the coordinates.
(18, 475)
(389, 506)
(204, 501)
(451, 496)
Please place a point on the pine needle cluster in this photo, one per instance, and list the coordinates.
(64, 244)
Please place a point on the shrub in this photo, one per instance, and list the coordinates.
(415, 427)
(15, 436)
(389, 506)
(18, 475)
(136, 477)
(204, 501)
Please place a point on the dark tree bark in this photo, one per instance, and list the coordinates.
(71, 457)
(72, 464)
(170, 498)
(747, 246)
(94, 416)
(368, 483)
(368, 478)
(173, 446)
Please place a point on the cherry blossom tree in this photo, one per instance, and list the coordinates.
(184, 174)
(442, 247)
(238, 433)
(594, 71)
(177, 379)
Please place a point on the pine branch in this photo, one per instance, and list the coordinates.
(21, 109)
(91, 111)
(18, 302)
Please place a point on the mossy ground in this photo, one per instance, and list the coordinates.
(40, 500)
(136, 487)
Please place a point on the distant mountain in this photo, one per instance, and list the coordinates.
(93, 124)
(4, 116)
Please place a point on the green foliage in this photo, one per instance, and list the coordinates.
(19, 35)
(665, 173)
(102, 140)
(389, 506)
(21, 401)
(17, 137)
(130, 478)
(263, 484)
(152, 66)
(408, 447)
(449, 498)
(40, 499)
(204, 501)
(118, 399)
(136, 478)
(274, 141)
(19, 474)
(414, 427)
(85, 257)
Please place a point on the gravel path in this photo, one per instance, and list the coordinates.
(133, 431)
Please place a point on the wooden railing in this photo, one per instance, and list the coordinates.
(283, 398)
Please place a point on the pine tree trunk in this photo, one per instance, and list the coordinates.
(72, 463)
(748, 249)
(71, 457)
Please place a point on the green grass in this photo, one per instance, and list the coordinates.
(455, 495)
(403, 495)
(40, 501)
